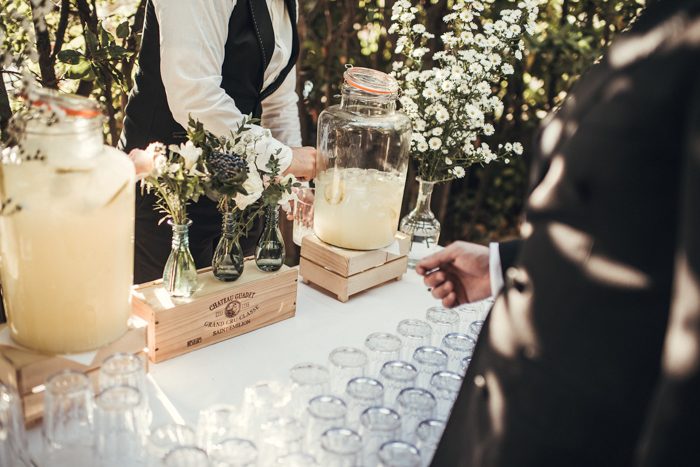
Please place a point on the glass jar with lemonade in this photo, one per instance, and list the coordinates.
(67, 227)
(362, 159)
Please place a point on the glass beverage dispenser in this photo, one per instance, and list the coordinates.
(66, 229)
(361, 163)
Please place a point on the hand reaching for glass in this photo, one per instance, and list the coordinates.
(457, 274)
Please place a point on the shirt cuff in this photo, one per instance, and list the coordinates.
(495, 269)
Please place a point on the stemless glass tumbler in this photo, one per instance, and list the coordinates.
(396, 376)
(13, 439)
(280, 436)
(377, 426)
(340, 447)
(346, 363)
(399, 454)
(127, 369)
(428, 435)
(361, 393)
(457, 347)
(445, 386)
(414, 333)
(381, 347)
(218, 423)
(323, 413)
(165, 438)
(414, 406)
(68, 429)
(119, 431)
(428, 360)
(308, 381)
(234, 452)
(186, 456)
(442, 321)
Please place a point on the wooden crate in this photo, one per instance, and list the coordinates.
(217, 311)
(347, 272)
(27, 371)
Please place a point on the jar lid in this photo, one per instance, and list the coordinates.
(69, 105)
(371, 81)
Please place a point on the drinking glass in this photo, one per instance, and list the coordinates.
(261, 401)
(414, 333)
(68, 429)
(186, 456)
(399, 454)
(127, 369)
(395, 376)
(428, 434)
(346, 363)
(308, 381)
(119, 430)
(457, 346)
(340, 447)
(234, 452)
(13, 439)
(445, 386)
(218, 423)
(377, 426)
(280, 436)
(465, 364)
(442, 321)
(428, 360)
(414, 406)
(303, 214)
(297, 459)
(468, 313)
(361, 393)
(165, 438)
(323, 413)
(381, 347)
(475, 329)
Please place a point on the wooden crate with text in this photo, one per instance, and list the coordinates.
(217, 311)
(347, 272)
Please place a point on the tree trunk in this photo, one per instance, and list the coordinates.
(5, 110)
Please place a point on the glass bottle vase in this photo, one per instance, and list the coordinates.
(180, 273)
(227, 264)
(421, 225)
(269, 254)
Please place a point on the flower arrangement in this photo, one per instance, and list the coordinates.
(451, 94)
(235, 170)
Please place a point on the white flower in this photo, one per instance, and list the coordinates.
(253, 186)
(189, 152)
(448, 161)
(442, 115)
(448, 86)
(159, 164)
(518, 148)
(239, 149)
(437, 131)
(489, 129)
(458, 172)
(418, 28)
(419, 52)
(430, 93)
(174, 167)
(406, 17)
(422, 146)
(507, 69)
(434, 143)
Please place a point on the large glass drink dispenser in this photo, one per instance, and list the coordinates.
(362, 159)
(67, 227)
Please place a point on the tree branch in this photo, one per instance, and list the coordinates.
(43, 48)
(61, 29)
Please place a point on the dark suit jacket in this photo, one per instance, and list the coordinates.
(567, 366)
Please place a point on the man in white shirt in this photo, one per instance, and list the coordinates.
(216, 61)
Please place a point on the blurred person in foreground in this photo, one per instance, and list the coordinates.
(591, 353)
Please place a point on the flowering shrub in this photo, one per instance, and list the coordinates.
(451, 102)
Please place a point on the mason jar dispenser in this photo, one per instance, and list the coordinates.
(362, 158)
(67, 227)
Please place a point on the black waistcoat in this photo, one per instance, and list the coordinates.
(248, 51)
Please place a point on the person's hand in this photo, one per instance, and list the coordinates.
(303, 165)
(458, 273)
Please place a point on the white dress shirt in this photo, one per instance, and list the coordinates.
(193, 37)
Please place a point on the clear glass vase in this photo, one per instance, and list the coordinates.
(227, 263)
(269, 254)
(180, 273)
(421, 225)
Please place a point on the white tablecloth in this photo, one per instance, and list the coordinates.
(219, 373)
